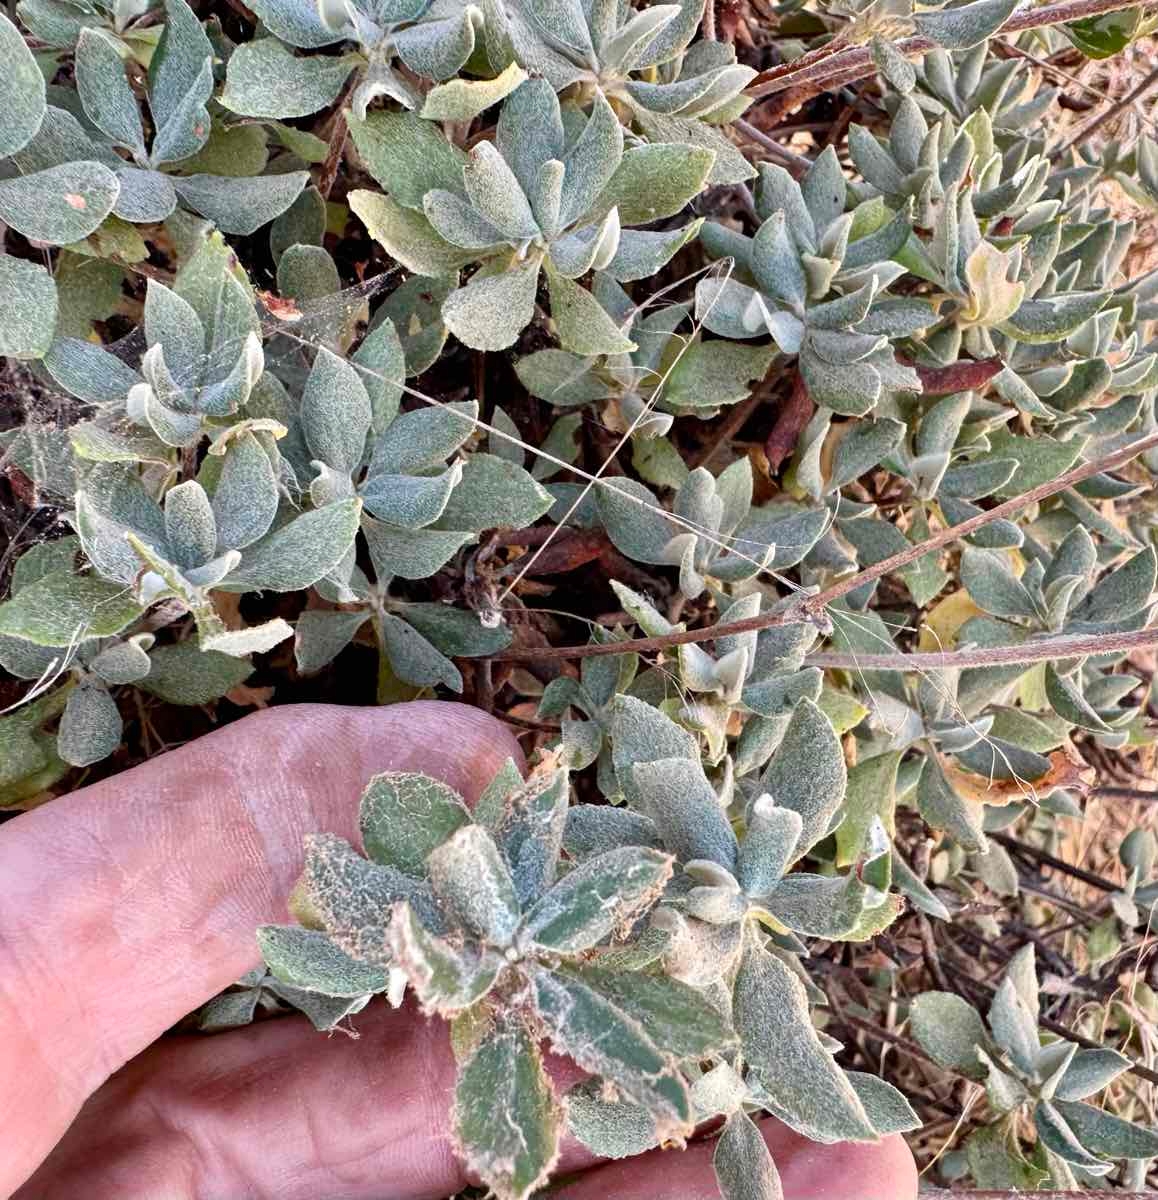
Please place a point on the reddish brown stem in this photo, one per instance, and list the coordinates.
(823, 73)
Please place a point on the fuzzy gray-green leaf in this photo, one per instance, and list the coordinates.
(403, 817)
(308, 959)
(507, 1119)
(807, 773)
(600, 897)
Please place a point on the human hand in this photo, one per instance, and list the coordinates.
(127, 904)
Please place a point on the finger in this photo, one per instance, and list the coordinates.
(881, 1171)
(276, 1110)
(128, 903)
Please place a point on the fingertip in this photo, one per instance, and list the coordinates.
(461, 745)
(883, 1170)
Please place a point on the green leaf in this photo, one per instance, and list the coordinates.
(61, 204)
(965, 26)
(407, 235)
(743, 1165)
(240, 206)
(180, 82)
(494, 494)
(28, 297)
(807, 773)
(583, 325)
(1104, 36)
(602, 896)
(474, 884)
(414, 659)
(1056, 1135)
(448, 977)
(184, 674)
(769, 846)
(1039, 458)
(245, 500)
(988, 576)
(944, 809)
(949, 1030)
(300, 552)
(320, 635)
(352, 899)
(1124, 592)
(404, 816)
(308, 959)
(335, 413)
(862, 449)
(606, 1041)
(416, 441)
(408, 157)
(411, 501)
(807, 1089)
(1104, 1133)
(456, 632)
(887, 1108)
(507, 1118)
(1065, 697)
(90, 728)
(871, 794)
(21, 90)
(711, 374)
(680, 1018)
(1043, 321)
(265, 79)
(465, 99)
(411, 553)
(676, 795)
(62, 609)
(608, 1128)
(1089, 1072)
(105, 93)
(492, 310)
(655, 181)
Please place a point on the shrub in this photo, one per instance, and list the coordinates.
(949, 492)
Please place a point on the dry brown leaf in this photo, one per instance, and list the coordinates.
(1067, 770)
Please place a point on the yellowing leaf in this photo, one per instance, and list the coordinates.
(945, 618)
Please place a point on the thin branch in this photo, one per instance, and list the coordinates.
(1106, 114)
(1043, 856)
(991, 1195)
(812, 607)
(804, 79)
(796, 163)
(990, 656)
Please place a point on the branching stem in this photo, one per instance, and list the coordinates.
(812, 608)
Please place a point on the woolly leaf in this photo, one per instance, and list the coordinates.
(403, 817)
(507, 1119)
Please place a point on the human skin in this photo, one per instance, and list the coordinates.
(126, 904)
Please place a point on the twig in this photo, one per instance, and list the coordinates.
(812, 608)
(796, 163)
(1127, 793)
(991, 1195)
(991, 656)
(1116, 107)
(708, 23)
(803, 79)
(1012, 843)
